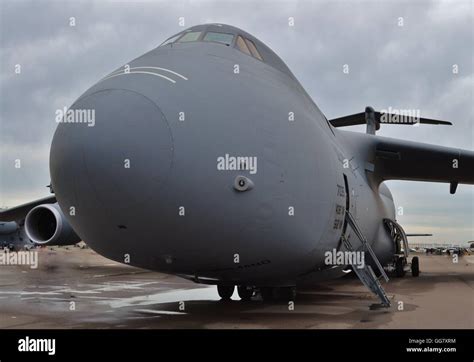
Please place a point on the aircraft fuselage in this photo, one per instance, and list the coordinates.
(146, 187)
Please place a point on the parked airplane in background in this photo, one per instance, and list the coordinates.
(145, 183)
(15, 236)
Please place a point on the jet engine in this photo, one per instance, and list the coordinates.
(46, 224)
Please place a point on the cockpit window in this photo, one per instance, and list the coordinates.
(248, 47)
(171, 40)
(224, 38)
(242, 46)
(232, 37)
(253, 49)
(191, 36)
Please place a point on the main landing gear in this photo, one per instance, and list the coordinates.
(225, 291)
(269, 294)
(400, 264)
(245, 292)
(415, 266)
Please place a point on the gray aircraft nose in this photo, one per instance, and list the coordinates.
(116, 163)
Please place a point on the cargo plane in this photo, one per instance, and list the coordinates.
(143, 182)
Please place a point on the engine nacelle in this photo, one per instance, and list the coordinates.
(46, 224)
(8, 227)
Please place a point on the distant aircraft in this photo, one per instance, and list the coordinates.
(47, 226)
(206, 158)
(13, 236)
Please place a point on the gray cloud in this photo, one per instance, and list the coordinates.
(401, 67)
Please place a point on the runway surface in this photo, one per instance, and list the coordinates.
(76, 288)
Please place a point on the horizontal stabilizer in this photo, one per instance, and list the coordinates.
(385, 118)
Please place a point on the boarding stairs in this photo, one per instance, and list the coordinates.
(366, 274)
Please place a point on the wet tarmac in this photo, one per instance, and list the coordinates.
(76, 288)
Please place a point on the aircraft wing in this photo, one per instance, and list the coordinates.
(20, 212)
(395, 159)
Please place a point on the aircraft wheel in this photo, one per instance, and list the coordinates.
(400, 268)
(245, 293)
(415, 266)
(225, 291)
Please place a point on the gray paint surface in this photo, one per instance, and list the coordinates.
(133, 212)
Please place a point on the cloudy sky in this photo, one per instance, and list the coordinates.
(401, 54)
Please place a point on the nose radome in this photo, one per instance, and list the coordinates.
(127, 146)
